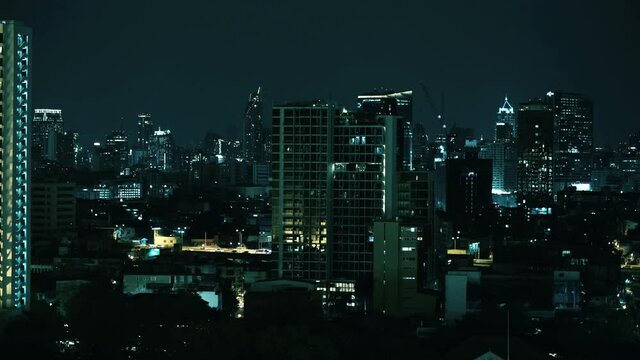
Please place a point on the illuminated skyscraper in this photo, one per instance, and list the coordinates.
(572, 139)
(502, 151)
(15, 109)
(506, 126)
(252, 142)
(47, 123)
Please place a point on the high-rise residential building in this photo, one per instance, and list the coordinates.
(252, 141)
(364, 186)
(506, 126)
(162, 150)
(387, 102)
(334, 173)
(145, 130)
(301, 164)
(535, 155)
(47, 123)
(15, 110)
(572, 139)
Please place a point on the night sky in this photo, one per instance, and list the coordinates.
(192, 64)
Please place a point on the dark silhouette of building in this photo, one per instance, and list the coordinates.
(468, 189)
(535, 155)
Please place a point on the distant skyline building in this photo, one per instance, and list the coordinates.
(117, 150)
(535, 155)
(15, 97)
(252, 135)
(47, 123)
(506, 126)
(162, 150)
(572, 139)
(502, 151)
(145, 130)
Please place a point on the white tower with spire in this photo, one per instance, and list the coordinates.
(506, 122)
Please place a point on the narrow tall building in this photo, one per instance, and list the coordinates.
(252, 141)
(15, 110)
(572, 139)
(364, 189)
(502, 151)
(535, 155)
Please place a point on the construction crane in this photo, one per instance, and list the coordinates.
(438, 112)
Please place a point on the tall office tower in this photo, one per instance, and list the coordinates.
(117, 146)
(385, 102)
(145, 130)
(252, 142)
(162, 150)
(572, 139)
(301, 164)
(506, 126)
(535, 155)
(47, 123)
(15, 110)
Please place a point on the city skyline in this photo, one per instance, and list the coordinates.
(285, 180)
(220, 75)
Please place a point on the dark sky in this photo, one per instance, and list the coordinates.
(192, 64)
